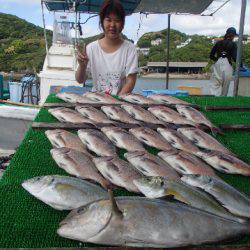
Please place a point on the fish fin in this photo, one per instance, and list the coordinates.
(115, 208)
(177, 196)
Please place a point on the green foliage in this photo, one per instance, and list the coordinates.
(22, 44)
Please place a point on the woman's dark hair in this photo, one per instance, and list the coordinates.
(112, 6)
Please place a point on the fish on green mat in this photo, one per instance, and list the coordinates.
(117, 171)
(177, 140)
(118, 114)
(202, 139)
(140, 114)
(68, 115)
(78, 164)
(97, 142)
(63, 192)
(151, 138)
(73, 98)
(225, 163)
(230, 198)
(159, 187)
(143, 222)
(167, 99)
(60, 138)
(93, 114)
(122, 139)
(185, 163)
(169, 115)
(151, 165)
(100, 97)
(136, 99)
(197, 117)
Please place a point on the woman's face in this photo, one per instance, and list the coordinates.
(113, 26)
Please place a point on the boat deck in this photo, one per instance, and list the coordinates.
(26, 222)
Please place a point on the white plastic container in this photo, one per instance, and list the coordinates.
(15, 91)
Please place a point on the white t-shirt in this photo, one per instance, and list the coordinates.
(109, 70)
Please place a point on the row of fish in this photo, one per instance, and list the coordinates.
(143, 222)
(176, 147)
(186, 115)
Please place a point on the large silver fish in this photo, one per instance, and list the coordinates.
(169, 115)
(118, 114)
(225, 163)
(151, 138)
(151, 165)
(97, 142)
(158, 187)
(196, 116)
(177, 140)
(99, 97)
(93, 114)
(186, 163)
(63, 192)
(60, 138)
(202, 139)
(141, 114)
(137, 99)
(122, 139)
(73, 98)
(142, 222)
(167, 99)
(118, 172)
(78, 164)
(68, 115)
(230, 198)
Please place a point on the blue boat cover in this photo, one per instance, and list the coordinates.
(132, 6)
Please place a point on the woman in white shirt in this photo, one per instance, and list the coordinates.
(112, 61)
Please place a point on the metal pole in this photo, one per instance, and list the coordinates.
(44, 31)
(239, 49)
(168, 45)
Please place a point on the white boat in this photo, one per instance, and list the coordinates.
(14, 123)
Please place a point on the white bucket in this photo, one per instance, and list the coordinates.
(15, 91)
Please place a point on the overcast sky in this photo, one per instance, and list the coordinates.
(228, 16)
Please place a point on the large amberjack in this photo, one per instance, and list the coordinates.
(142, 222)
(167, 99)
(137, 99)
(99, 97)
(63, 192)
(230, 198)
(158, 187)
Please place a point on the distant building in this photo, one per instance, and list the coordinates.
(156, 42)
(177, 67)
(184, 43)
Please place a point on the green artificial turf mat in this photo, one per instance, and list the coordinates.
(27, 222)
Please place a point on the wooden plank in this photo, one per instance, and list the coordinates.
(98, 105)
(73, 126)
(243, 127)
(20, 104)
(227, 108)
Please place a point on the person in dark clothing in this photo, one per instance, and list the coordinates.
(223, 53)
